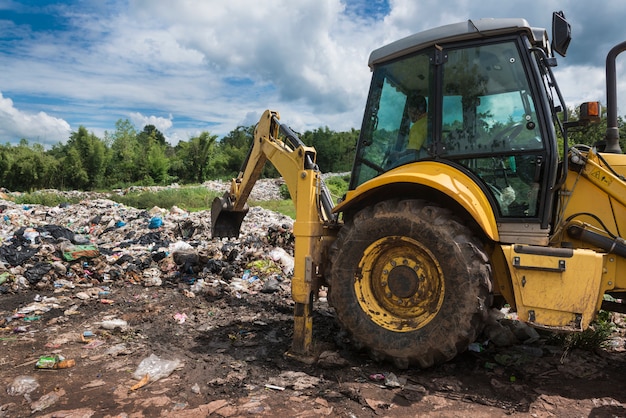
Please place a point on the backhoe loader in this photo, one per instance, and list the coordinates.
(493, 207)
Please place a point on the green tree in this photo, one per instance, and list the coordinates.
(335, 150)
(73, 172)
(27, 168)
(158, 164)
(124, 153)
(595, 133)
(178, 164)
(92, 153)
(151, 134)
(231, 151)
(192, 158)
(199, 154)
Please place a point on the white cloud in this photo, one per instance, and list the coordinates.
(218, 65)
(140, 120)
(36, 127)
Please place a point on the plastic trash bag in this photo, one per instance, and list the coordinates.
(22, 385)
(156, 368)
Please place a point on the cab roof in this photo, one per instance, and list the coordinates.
(471, 29)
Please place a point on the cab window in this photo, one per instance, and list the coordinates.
(489, 124)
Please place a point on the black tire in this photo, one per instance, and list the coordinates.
(409, 282)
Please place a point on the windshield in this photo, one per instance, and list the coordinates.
(484, 119)
(399, 97)
(487, 105)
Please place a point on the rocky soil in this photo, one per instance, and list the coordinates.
(110, 311)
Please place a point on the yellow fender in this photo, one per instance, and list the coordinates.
(442, 177)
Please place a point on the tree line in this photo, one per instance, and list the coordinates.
(129, 157)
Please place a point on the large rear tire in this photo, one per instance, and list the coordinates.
(409, 282)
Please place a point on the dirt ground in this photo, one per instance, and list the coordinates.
(213, 320)
(231, 352)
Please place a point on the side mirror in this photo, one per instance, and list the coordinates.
(561, 33)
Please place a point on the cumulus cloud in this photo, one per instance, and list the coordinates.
(35, 127)
(306, 52)
(216, 65)
(162, 124)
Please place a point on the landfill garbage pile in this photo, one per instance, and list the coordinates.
(83, 284)
(111, 311)
(98, 242)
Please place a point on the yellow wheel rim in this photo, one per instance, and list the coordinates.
(400, 285)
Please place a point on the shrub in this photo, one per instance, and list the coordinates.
(596, 336)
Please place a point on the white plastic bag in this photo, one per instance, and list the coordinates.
(22, 385)
(281, 256)
(156, 368)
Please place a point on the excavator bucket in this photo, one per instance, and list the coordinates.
(225, 220)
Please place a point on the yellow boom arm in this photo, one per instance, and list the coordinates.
(296, 164)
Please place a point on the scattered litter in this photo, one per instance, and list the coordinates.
(117, 349)
(94, 384)
(111, 324)
(296, 380)
(155, 368)
(144, 381)
(281, 256)
(54, 362)
(74, 252)
(331, 359)
(82, 296)
(155, 222)
(94, 344)
(47, 400)
(274, 387)
(475, 347)
(22, 385)
(180, 318)
(392, 381)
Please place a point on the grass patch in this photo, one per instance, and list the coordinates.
(46, 199)
(286, 207)
(191, 198)
(338, 186)
(187, 198)
(598, 335)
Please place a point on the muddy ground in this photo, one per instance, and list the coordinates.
(218, 317)
(231, 352)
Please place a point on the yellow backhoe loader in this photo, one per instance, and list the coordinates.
(491, 205)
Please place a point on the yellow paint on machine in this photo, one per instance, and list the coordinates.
(438, 176)
(555, 289)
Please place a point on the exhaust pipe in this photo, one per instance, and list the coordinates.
(612, 131)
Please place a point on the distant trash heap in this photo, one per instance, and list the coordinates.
(99, 242)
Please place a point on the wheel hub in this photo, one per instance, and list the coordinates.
(402, 281)
(401, 285)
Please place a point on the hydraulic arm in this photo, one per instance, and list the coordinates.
(313, 230)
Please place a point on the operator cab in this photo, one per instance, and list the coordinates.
(486, 115)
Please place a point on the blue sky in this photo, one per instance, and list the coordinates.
(191, 66)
